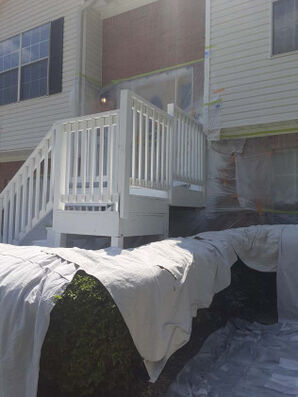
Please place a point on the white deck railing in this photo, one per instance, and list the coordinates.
(89, 150)
(29, 195)
(90, 163)
(189, 148)
(152, 131)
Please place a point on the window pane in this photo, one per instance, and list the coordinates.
(9, 53)
(9, 87)
(35, 44)
(284, 26)
(34, 80)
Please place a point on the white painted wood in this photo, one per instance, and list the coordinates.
(256, 88)
(82, 170)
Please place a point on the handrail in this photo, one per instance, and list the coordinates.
(28, 197)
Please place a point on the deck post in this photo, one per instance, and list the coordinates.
(125, 149)
(59, 178)
(117, 241)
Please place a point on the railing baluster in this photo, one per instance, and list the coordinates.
(37, 186)
(146, 147)
(30, 196)
(24, 199)
(53, 138)
(92, 175)
(11, 213)
(134, 138)
(101, 157)
(158, 151)
(152, 150)
(5, 220)
(75, 163)
(110, 155)
(1, 219)
(45, 176)
(84, 158)
(140, 142)
(162, 172)
(18, 209)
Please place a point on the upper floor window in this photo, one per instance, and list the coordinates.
(31, 63)
(285, 26)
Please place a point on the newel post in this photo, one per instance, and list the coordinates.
(124, 151)
(172, 146)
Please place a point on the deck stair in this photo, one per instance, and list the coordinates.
(111, 174)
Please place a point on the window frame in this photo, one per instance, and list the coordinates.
(20, 65)
(271, 54)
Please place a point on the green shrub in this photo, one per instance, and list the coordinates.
(88, 350)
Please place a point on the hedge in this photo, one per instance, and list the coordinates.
(88, 349)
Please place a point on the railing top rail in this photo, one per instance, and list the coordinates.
(179, 111)
(109, 113)
(150, 105)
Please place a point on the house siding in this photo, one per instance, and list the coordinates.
(23, 124)
(162, 34)
(258, 88)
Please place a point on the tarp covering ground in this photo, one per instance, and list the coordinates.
(158, 288)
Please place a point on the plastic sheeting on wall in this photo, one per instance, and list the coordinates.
(252, 181)
(182, 86)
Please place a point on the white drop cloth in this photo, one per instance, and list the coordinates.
(158, 289)
(287, 275)
(29, 279)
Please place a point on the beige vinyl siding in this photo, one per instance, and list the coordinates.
(117, 7)
(258, 88)
(23, 124)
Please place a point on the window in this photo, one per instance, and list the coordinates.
(285, 26)
(31, 63)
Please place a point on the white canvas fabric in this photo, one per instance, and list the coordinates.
(158, 289)
(29, 279)
(287, 275)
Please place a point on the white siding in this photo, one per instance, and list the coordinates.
(116, 7)
(258, 88)
(23, 124)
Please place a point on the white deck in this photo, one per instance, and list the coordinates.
(109, 174)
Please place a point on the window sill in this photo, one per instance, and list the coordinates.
(284, 54)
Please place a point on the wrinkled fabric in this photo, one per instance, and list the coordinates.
(287, 275)
(244, 359)
(158, 289)
(29, 279)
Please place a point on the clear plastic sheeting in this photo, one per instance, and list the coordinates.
(249, 182)
(259, 174)
(243, 360)
(181, 85)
